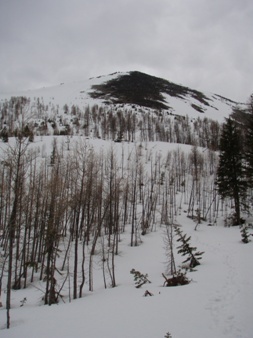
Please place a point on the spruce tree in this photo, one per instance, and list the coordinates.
(139, 278)
(231, 180)
(4, 135)
(245, 234)
(249, 143)
(186, 249)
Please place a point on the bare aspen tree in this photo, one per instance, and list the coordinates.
(196, 163)
(56, 205)
(134, 186)
(16, 163)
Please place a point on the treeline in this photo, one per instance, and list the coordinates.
(108, 122)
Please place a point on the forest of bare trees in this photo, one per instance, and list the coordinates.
(63, 212)
(108, 122)
(60, 212)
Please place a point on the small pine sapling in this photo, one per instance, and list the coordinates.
(245, 234)
(139, 278)
(186, 249)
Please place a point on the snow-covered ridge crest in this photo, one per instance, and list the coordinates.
(133, 89)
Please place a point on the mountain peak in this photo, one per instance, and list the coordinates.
(133, 88)
(145, 90)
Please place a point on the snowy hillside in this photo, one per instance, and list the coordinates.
(216, 303)
(170, 97)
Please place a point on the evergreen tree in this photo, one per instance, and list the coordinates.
(249, 143)
(139, 278)
(4, 135)
(231, 180)
(186, 249)
(27, 132)
(245, 234)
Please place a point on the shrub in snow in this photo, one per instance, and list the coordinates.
(148, 293)
(179, 278)
(232, 221)
(23, 301)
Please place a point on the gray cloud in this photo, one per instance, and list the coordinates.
(203, 44)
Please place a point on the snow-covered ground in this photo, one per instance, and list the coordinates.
(217, 303)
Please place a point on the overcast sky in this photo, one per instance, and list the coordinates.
(203, 44)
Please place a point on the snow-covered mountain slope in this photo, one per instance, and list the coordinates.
(217, 303)
(133, 89)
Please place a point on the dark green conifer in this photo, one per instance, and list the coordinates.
(231, 180)
(4, 135)
(245, 234)
(249, 143)
(186, 249)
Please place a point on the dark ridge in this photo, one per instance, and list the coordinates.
(226, 99)
(135, 88)
(144, 90)
(198, 108)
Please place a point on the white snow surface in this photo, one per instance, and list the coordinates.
(217, 303)
(77, 93)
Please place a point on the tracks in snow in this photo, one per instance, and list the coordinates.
(224, 290)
